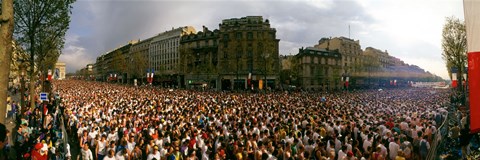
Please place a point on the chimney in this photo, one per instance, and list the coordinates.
(204, 29)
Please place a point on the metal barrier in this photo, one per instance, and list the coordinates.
(438, 140)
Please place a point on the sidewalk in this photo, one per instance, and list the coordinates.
(10, 122)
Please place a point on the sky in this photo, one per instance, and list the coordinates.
(408, 29)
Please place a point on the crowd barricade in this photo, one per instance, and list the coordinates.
(438, 140)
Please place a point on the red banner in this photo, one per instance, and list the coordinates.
(472, 28)
(474, 87)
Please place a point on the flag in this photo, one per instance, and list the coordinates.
(472, 24)
(346, 81)
(260, 84)
(49, 77)
(249, 78)
(454, 80)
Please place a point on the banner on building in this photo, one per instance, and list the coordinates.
(260, 84)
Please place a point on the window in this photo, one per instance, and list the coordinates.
(250, 65)
(225, 37)
(312, 71)
(239, 35)
(250, 53)
(250, 36)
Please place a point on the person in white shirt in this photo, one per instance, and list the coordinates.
(367, 143)
(131, 144)
(101, 148)
(86, 153)
(342, 153)
(111, 155)
(122, 155)
(393, 148)
(384, 151)
(155, 154)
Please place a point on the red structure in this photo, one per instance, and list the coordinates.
(472, 24)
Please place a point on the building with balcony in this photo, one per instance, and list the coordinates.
(138, 60)
(378, 57)
(318, 69)
(248, 45)
(199, 59)
(113, 62)
(349, 49)
(164, 57)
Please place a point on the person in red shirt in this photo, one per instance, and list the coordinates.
(38, 154)
(390, 124)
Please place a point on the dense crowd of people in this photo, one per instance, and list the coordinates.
(36, 132)
(119, 122)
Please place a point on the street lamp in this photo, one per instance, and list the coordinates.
(265, 56)
(235, 86)
(22, 85)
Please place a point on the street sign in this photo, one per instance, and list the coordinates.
(44, 96)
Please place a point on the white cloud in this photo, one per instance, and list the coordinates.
(74, 56)
(411, 30)
(408, 29)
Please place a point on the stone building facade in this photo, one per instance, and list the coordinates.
(318, 69)
(164, 56)
(248, 45)
(199, 59)
(349, 49)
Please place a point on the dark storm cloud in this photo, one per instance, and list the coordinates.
(100, 26)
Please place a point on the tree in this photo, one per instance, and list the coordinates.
(139, 65)
(40, 28)
(119, 63)
(6, 48)
(454, 45)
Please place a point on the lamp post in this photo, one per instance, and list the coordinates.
(265, 56)
(22, 90)
(235, 81)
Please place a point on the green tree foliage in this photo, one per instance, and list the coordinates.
(454, 45)
(119, 62)
(141, 64)
(40, 28)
